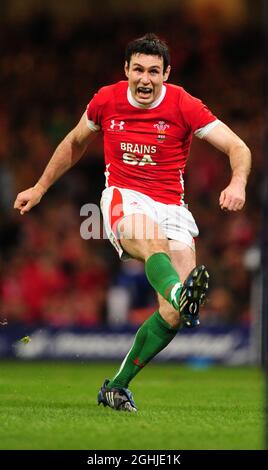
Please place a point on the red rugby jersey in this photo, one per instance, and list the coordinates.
(146, 148)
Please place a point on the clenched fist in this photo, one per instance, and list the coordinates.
(233, 197)
(29, 198)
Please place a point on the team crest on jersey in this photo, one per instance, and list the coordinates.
(161, 127)
(117, 125)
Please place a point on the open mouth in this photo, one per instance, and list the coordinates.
(144, 92)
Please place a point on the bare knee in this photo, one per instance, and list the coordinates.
(141, 237)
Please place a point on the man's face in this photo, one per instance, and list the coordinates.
(145, 77)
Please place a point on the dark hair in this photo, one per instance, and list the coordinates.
(149, 44)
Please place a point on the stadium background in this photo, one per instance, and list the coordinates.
(53, 58)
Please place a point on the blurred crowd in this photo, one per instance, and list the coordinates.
(49, 71)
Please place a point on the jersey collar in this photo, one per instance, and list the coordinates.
(144, 106)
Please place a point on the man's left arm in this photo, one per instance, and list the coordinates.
(233, 197)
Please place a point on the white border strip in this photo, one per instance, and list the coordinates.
(203, 131)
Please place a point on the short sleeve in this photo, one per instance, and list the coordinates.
(195, 113)
(93, 113)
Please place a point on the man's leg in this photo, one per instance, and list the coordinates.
(159, 329)
(143, 239)
(156, 332)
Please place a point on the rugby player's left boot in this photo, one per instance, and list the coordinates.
(119, 399)
(192, 296)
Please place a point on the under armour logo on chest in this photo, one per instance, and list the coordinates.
(117, 125)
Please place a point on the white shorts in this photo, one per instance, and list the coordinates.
(175, 222)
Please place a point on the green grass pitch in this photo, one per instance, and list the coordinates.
(53, 406)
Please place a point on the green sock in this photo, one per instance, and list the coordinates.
(163, 277)
(153, 336)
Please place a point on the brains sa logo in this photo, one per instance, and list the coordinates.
(161, 127)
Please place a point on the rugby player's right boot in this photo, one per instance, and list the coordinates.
(192, 296)
(119, 399)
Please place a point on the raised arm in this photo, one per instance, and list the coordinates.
(233, 197)
(68, 152)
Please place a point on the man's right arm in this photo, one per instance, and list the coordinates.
(68, 152)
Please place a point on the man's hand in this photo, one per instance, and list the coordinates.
(29, 198)
(233, 197)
